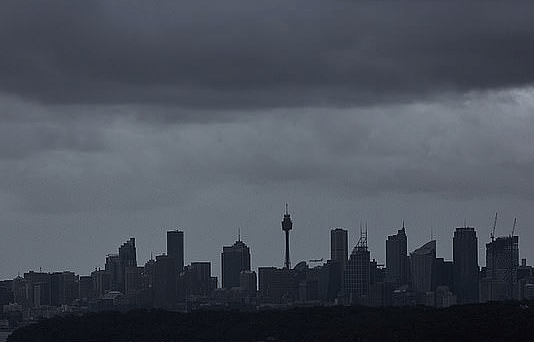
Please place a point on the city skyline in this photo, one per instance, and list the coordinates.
(420, 277)
(176, 247)
(126, 120)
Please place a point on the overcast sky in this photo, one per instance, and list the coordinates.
(125, 118)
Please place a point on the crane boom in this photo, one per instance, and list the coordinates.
(493, 248)
(513, 227)
(493, 231)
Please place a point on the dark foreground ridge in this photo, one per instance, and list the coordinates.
(510, 321)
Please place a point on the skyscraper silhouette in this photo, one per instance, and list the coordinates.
(397, 264)
(234, 259)
(175, 248)
(465, 258)
(338, 259)
(127, 257)
(339, 246)
(423, 261)
(165, 281)
(502, 261)
(357, 271)
(287, 225)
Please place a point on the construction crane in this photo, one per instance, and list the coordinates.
(511, 286)
(493, 248)
(493, 231)
(316, 260)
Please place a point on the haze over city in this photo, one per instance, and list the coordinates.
(127, 118)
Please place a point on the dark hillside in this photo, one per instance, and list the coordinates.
(483, 322)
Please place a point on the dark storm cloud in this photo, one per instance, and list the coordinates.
(459, 149)
(229, 54)
(28, 129)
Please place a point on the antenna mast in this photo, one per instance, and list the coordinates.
(493, 249)
(362, 242)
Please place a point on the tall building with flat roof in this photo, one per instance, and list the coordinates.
(175, 248)
(339, 246)
(202, 279)
(38, 288)
(234, 259)
(465, 269)
(397, 264)
(165, 281)
(277, 285)
(63, 288)
(338, 257)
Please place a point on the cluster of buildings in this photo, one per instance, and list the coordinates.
(416, 278)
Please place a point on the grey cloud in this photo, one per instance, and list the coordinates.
(23, 140)
(28, 129)
(238, 54)
(459, 149)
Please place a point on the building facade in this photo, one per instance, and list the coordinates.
(502, 262)
(127, 257)
(165, 281)
(339, 246)
(422, 267)
(357, 274)
(397, 263)
(175, 248)
(465, 269)
(234, 259)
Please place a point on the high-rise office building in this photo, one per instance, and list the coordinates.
(277, 285)
(196, 280)
(443, 274)
(165, 281)
(465, 259)
(127, 257)
(101, 282)
(357, 271)
(202, 281)
(38, 288)
(339, 246)
(63, 288)
(85, 287)
(397, 264)
(133, 281)
(248, 282)
(234, 259)
(422, 262)
(502, 261)
(112, 269)
(175, 248)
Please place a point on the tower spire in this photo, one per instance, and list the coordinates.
(287, 225)
(362, 242)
